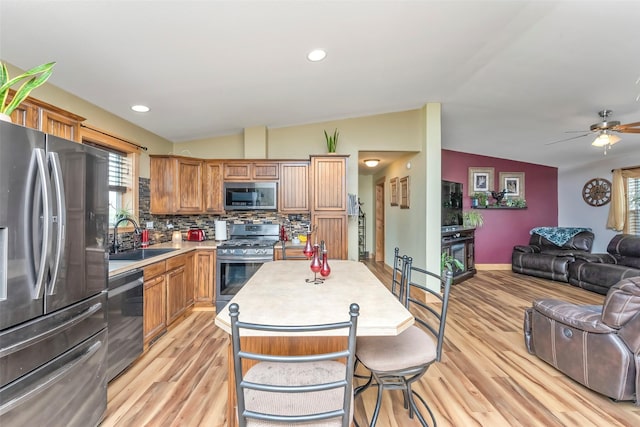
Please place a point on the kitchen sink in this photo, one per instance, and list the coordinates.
(139, 254)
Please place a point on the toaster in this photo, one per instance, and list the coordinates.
(195, 235)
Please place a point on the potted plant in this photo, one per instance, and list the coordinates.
(448, 262)
(332, 140)
(481, 198)
(472, 219)
(36, 77)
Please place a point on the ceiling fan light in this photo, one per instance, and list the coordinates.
(605, 139)
(372, 163)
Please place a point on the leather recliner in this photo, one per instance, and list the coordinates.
(598, 272)
(542, 258)
(597, 346)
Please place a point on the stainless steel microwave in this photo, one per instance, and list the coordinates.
(250, 196)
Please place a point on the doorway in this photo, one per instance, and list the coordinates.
(379, 254)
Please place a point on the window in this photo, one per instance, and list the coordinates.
(123, 175)
(633, 212)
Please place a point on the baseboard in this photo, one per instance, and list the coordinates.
(493, 266)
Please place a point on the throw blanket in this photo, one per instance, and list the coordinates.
(558, 235)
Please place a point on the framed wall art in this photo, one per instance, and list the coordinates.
(404, 192)
(480, 180)
(513, 182)
(394, 191)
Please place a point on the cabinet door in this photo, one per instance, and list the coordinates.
(205, 278)
(26, 115)
(213, 187)
(333, 230)
(265, 170)
(329, 188)
(59, 125)
(237, 170)
(190, 278)
(175, 294)
(154, 307)
(293, 194)
(189, 195)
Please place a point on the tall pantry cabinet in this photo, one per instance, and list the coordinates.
(329, 203)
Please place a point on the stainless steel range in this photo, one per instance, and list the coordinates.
(249, 246)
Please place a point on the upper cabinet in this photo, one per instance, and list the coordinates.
(213, 202)
(293, 194)
(329, 183)
(48, 118)
(250, 171)
(176, 185)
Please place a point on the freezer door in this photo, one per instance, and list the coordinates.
(23, 251)
(79, 261)
(70, 390)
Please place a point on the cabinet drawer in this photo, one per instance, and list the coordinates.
(176, 261)
(154, 270)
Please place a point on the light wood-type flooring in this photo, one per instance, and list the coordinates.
(486, 377)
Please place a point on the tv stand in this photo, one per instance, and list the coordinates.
(459, 243)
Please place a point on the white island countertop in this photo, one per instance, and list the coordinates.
(277, 294)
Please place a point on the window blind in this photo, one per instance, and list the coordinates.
(119, 172)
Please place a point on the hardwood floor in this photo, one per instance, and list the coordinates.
(486, 377)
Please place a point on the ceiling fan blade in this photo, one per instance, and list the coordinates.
(628, 128)
(568, 139)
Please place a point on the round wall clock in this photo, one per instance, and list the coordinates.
(597, 192)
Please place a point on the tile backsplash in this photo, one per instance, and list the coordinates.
(165, 225)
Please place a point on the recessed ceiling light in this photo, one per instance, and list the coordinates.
(372, 163)
(316, 55)
(140, 108)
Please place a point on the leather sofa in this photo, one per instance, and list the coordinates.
(545, 259)
(597, 346)
(598, 272)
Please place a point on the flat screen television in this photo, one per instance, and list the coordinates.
(451, 203)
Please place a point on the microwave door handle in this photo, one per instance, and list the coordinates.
(47, 219)
(56, 169)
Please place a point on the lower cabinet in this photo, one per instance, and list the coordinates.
(155, 301)
(332, 229)
(179, 279)
(205, 270)
(460, 245)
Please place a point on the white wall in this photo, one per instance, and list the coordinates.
(573, 211)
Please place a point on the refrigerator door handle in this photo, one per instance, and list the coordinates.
(58, 182)
(47, 213)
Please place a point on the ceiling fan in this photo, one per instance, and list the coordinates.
(605, 131)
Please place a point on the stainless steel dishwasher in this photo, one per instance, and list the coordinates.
(125, 322)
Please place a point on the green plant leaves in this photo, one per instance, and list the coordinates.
(332, 140)
(38, 75)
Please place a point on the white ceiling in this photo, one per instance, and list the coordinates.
(512, 76)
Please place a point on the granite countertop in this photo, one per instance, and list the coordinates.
(121, 266)
(278, 294)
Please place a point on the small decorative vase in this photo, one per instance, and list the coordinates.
(316, 266)
(5, 118)
(325, 270)
(308, 249)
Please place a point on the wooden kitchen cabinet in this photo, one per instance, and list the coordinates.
(48, 118)
(328, 182)
(205, 272)
(154, 302)
(250, 171)
(293, 194)
(179, 280)
(176, 185)
(213, 195)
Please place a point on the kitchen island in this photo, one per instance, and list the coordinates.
(278, 294)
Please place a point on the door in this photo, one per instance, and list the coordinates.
(23, 251)
(379, 237)
(79, 185)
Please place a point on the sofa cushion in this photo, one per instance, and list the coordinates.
(626, 249)
(598, 277)
(622, 302)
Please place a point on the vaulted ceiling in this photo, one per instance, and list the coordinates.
(512, 76)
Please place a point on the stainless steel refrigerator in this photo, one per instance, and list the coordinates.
(53, 280)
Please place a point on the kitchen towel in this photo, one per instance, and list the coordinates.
(221, 230)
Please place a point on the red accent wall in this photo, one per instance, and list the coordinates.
(505, 228)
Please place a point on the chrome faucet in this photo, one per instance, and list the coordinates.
(137, 231)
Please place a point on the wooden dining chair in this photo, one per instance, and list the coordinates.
(396, 362)
(280, 390)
